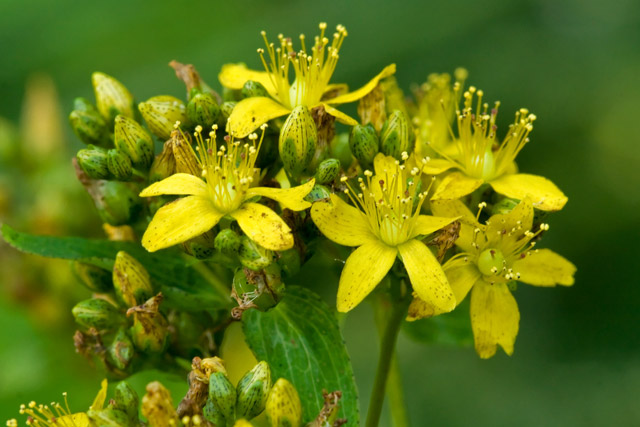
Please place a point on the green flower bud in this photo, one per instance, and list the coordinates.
(228, 242)
(213, 414)
(289, 261)
(203, 110)
(110, 417)
(161, 113)
(164, 165)
(317, 193)
(504, 206)
(222, 394)
(126, 400)
(201, 247)
(131, 139)
(298, 139)
(96, 313)
(94, 162)
(253, 389)
(88, 124)
(157, 406)
(363, 143)
(95, 278)
(186, 160)
(283, 405)
(119, 165)
(327, 171)
(112, 98)
(339, 149)
(121, 350)
(397, 135)
(252, 255)
(149, 330)
(225, 111)
(253, 88)
(252, 294)
(231, 95)
(131, 280)
(117, 204)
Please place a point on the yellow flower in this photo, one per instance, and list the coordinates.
(480, 159)
(310, 87)
(387, 223)
(57, 415)
(494, 255)
(228, 173)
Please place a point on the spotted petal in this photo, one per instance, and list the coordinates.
(455, 186)
(290, 198)
(545, 268)
(180, 184)
(364, 90)
(234, 76)
(252, 112)
(543, 193)
(264, 226)
(341, 222)
(364, 269)
(427, 224)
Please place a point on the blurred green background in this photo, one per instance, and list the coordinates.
(575, 64)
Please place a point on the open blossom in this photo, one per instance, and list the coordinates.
(225, 189)
(385, 222)
(480, 158)
(310, 87)
(493, 255)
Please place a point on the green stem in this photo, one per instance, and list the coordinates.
(395, 394)
(387, 351)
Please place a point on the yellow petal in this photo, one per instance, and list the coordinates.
(519, 220)
(427, 224)
(455, 186)
(437, 166)
(384, 164)
(543, 193)
(494, 318)
(419, 309)
(359, 93)
(98, 402)
(80, 419)
(341, 222)
(545, 268)
(234, 76)
(455, 208)
(335, 88)
(179, 221)
(290, 198)
(264, 226)
(181, 184)
(252, 112)
(339, 115)
(364, 269)
(426, 275)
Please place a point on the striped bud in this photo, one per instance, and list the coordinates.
(161, 113)
(222, 394)
(327, 171)
(121, 350)
(186, 160)
(164, 165)
(298, 139)
(127, 400)
(107, 417)
(252, 255)
(253, 389)
(397, 135)
(203, 110)
(283, 405)
(95, 278)
(363, 143)
(150, 329)
(318, 192)
(117, 204)
(254, 293)
(112, 98)
(96, 313)
(228, 242)
(88, 124)
(94, 162)
(119, 165)
(131, 280)
(131, 139)
(253, 88)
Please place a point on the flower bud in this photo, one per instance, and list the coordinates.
(250, 294)
(222, 394)
(127, 400)
(252, 255)
(95, 278)
(161, 113)
(228, 242)
(397, 135)
(164, 165)
(112, 98)
(289, 262)
(504, 206)
(96, 313)
(131, 139)
(253, 389)
(327, 171)
(108, 417)
(203, 110)
(157, 406)
(283, 405)
(88, 124)
(186, 160)
(253, 88)
(225, 111)
(317, 193)
(119, 165)
(94, 162)
(213, 414)
(131, 280)
(298, 139)
(117, 204)
(339, 149)
(200, 247)
(363, 143)
(149, 330)
(121, 350)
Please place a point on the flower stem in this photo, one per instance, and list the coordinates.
(395, 394)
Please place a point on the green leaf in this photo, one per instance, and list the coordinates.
(183, 287)
(450, 329)
(301, 341)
